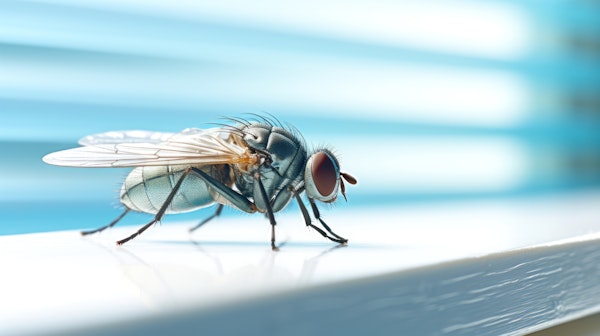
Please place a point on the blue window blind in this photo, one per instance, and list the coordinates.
(423, 100)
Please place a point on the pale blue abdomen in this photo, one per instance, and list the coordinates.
(146, 188)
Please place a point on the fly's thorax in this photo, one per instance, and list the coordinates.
(283, 159)
(286, 151)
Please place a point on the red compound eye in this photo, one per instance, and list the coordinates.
(324, 173)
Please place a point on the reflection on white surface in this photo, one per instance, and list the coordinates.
(78, 281)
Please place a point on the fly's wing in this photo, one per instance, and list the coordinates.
(135, 136)
(132, 136)
(190, 147)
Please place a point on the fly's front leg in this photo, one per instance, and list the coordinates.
(308, 222)
(318, 216)
(161, 211)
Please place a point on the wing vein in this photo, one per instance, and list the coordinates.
(190, 147)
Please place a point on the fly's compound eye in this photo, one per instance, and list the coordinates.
(322, 177)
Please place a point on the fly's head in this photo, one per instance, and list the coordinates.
(322, 177)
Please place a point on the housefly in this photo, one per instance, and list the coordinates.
(251, 165)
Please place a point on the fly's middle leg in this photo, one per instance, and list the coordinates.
(241, 202)
(268, 210)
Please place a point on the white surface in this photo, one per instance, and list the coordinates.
(486, 266)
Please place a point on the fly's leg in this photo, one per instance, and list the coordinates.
(111, 224)
(318, 216)
(161, 211)
(206, 220)
(269, 210)
(240, 201)
(308, 222)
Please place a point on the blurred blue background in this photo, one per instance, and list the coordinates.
(425, 101)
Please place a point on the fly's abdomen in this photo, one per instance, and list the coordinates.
(146, 189)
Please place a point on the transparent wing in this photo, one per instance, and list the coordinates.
(134, 136)
(190, 147)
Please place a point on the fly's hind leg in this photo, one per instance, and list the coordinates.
(206, 220)
(161, 211)
(111, 224)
